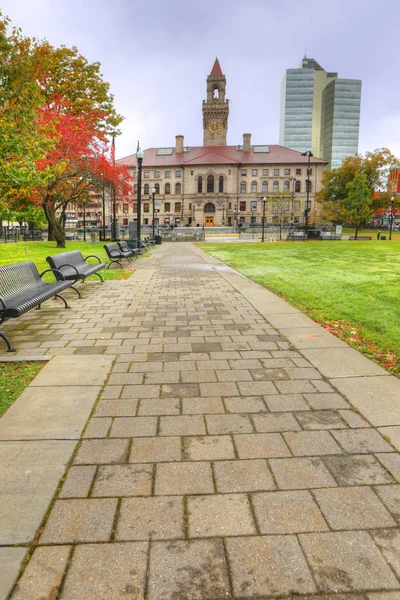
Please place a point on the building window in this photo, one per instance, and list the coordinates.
(167, 207)
(178, 207)
(178, 188)
(209, 208)
(254, 172)
(210, 184)
(190, 207)
(146, 189)
(286, 186)
(230, 205)
(296, 205)
(265, 172)
(200, 185)
(298, 171)
(253, 205)
(167, 188)
(254, 187)
(276, 186)
(145, 221)
(178, 173)
(125, 208)
(167, 174)
(287, 171)
(229, 171)
(191, 172)
(156, 173)
(297, 187)
(308, 185)
(157, 188)
(243, 172)
(265, 186)
(242, 219)
(146, 207)
(276, 171)
(146, 174)
(134, 207)
(135, 188)
(221, 184)
(125, 222)
(310, 171)
(243, 187)
(242, 206)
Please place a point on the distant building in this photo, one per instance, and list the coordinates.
(320, 112)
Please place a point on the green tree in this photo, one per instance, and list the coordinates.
(358, 202)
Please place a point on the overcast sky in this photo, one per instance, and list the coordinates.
(157, 54)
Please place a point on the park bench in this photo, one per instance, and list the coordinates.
(296, 236)
(115, 254)
(73, 267)
(360, 237)
(127, 251)
(22, 289)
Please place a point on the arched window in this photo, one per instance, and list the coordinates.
(265, 186)
(209, 208)
(157, 188)
(216, 93)
(243, 187)
(178, 188)
(276, 186)
(167, 188)
(254, 186)
(146, 188)
(200, 185)
(297, 187)
(210, 184)
(308, 185)
(221, 184)
(286, 186)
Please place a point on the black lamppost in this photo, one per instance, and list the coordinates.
(235, 216)
(308, 182)
(223, 214)
(104, 211)
(84, 219)
(153, 193)
(139, 196)
(264, 201)
(391, 216)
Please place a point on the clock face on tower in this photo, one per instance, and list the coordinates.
(214, 127)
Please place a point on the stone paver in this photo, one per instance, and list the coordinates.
(218, 461)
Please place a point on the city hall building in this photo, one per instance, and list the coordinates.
(217, 184)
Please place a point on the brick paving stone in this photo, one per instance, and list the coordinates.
(227, 388)
(152, 450)
(133, 427)
(107, 571)
(123, 480)
(256, 388)
(141, 391)
(181, 390)
(388, 540)
(192, 406)
(151, 518)
(79, 521)
(234, 375)
(357, 470)
(261, 445)
(188, 365)
(125, 378)
(275, 422)
(391, 462)
(188, 570)
(146, 367)
(210, 347)
(287, 512)
(353, 419)
(182, 425)
(268, 566)
(116, 408)
(268, 374)
(97, 428)
(220, 516)
(243, 476)
(250, 404)
(245, 364)
(163, 377)
(353, 508)
(159, 406)
(276, 363)
(95, 452)
(164, 357)
(78, 482)
(298, 386)
(321, 419)
(43, 575)
(360, 441)
(199, 377)
(111, 391)
(286, 402)
(208, 448)
(213, 365)
(320, 401)
(311, 443)
(346, 561)
(390, 496)
(301, 473)
(224, 424)
(303, 373)
(183, 478)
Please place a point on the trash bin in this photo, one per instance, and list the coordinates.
(93, 239)
(383, 237)
(157, 238)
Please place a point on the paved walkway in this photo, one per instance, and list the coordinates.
(222, 459)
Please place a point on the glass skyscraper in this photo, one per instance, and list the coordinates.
(320, 112)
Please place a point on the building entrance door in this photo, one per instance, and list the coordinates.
(209, 221)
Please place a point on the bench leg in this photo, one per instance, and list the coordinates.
(63, 299)
(76, 290)
(98, 275)
(117, 262)
(7, 341)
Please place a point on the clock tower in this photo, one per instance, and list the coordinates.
(215, 109)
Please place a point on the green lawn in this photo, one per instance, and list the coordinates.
(352, 288)
(37, 251)
(14, 377)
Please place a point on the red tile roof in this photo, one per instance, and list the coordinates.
(216, 70)
(220, 155)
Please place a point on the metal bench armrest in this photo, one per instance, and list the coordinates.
(53, 271)
(92, 256)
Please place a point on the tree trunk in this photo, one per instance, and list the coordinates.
(56, 229)
(50, 232)
(356, 234)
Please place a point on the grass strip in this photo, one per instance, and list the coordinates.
(14, 378)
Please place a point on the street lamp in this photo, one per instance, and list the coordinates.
(104, 211)
(264, 201)
(309, 154)
(223, 214)
(153, 193)
(391, 216)
(139, 196)
(84, 219)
